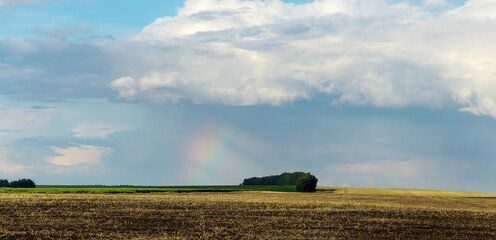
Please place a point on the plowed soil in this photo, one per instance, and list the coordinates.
(244, 215)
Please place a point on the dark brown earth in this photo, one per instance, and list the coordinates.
(244, 215)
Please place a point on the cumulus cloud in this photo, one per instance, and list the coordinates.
(7, 3)
(160, 86)
(97, 130)
(78, 155)
(126, 86)
(240, 52)
(360, 52)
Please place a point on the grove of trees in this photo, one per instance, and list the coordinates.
(21, 183)
(304, 182)
(4, 183)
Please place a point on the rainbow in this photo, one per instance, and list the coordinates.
(206, 154)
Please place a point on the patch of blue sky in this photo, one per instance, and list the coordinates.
(115, 18)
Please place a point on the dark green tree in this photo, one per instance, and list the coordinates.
(306, 183)
(23, 183)
(282, 179)
(4, 183)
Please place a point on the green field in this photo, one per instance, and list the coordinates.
(237, 188)
(143, 189)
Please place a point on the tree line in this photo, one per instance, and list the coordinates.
(21, 183)
(304, 182)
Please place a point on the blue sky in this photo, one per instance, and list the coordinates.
(395, 94)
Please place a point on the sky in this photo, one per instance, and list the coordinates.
(361, 93)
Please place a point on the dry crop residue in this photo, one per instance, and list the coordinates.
(244, 215)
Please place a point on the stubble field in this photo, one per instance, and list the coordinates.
(327, 214)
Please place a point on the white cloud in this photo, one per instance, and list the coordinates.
(6, 3)
(360, 52)
(97, 130)
(157, 80)
(239, 52)
(478, 9)
(152, 84)
(126, 86)
(80, 155)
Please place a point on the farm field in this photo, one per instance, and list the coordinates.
(404, 192)
(143, 189)
(331, 213)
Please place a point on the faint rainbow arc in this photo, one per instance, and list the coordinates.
(207, 152)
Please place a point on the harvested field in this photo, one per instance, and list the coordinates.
(244, 215)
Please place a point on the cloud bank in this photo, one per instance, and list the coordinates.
(357, 52)
(78, 155)
(240, 52)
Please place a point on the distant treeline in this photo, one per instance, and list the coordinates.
(304, 182)
(21, 183)
(282, 179)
